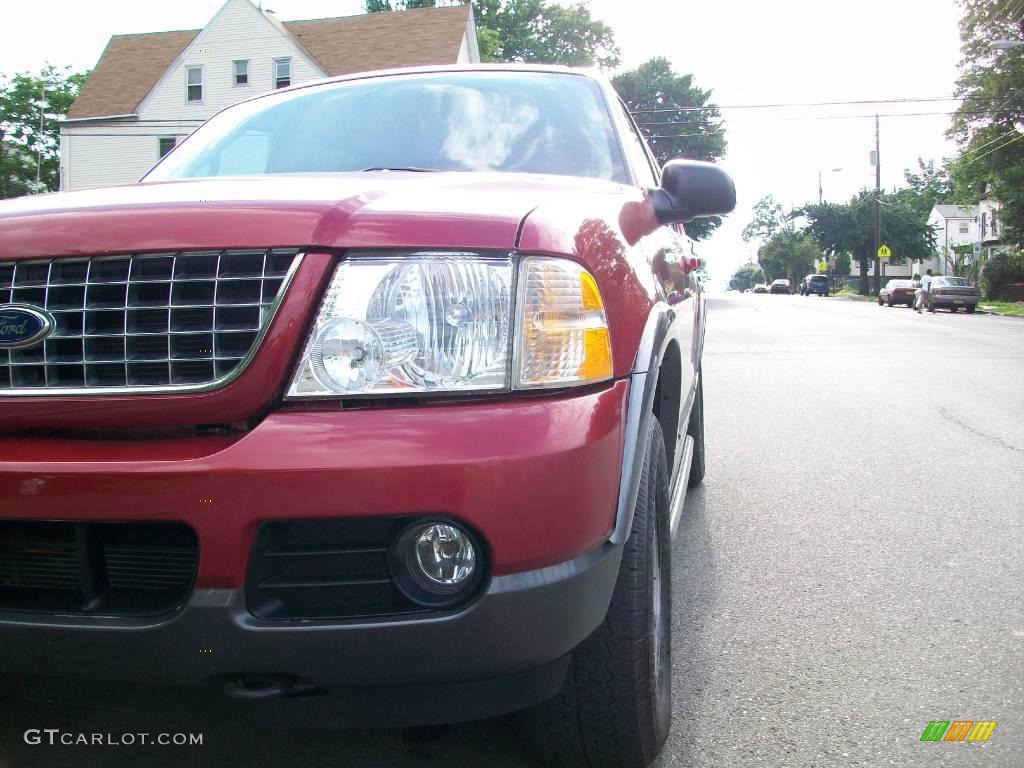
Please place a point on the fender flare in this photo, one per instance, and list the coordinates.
(643, 382)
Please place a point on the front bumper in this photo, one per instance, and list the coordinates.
(537, 478)
(505, 652)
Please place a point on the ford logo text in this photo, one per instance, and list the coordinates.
(22, 325)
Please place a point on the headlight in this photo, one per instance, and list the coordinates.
(442, 322)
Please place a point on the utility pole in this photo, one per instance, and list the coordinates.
(878, 205)
(39, 138)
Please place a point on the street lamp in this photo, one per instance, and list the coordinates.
(834, 170)
(1004, 45)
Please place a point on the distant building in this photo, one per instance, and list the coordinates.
(148, 91)
(955, 226)
(989, 225)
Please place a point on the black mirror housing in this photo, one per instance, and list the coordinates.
(691, 189)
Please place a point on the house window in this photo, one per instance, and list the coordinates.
(194, 83)
(241, 73)
(167, 143)
(994, 230)
(963, 228)
(282, 73)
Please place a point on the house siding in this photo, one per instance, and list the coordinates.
(96, 158)
(106, 154)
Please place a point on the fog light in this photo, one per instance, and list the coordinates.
(445, 555)
(437, 563)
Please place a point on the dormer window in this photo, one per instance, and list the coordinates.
(194, 84)
(282, 73)
(241, 73)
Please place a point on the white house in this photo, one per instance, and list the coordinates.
(954, 226)
(148, 91)
(989, 224)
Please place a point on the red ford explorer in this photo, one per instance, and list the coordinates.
(376, 401)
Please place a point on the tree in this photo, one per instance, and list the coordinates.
(986, 125)
(850, 228)
(24, 98)
(789, 254)
(675, 118)
(768, 218)
(746, 277)
(931, 185)
(538, 31)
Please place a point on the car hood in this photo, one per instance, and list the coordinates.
(377, 209)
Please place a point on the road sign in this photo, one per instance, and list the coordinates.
(883, 252)
(977, 249)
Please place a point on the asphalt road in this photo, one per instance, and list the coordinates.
(852, 567)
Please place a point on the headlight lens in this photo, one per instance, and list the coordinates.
(442, 322)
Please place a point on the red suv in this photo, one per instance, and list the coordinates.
(377, 399)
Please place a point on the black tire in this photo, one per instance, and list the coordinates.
(971, 308)
(615, 707)
(879, 301)
(695, 429)
(889, 302)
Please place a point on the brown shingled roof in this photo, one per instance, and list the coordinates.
(132, 64)
(127, 70)
(383, 40)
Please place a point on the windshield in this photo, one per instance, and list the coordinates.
(528, 122)
(951, 281)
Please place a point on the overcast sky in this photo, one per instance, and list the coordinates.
(747, 52)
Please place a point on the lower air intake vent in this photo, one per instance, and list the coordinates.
(328, 569)
(109, 569)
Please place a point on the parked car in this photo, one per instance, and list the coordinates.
(760, 288)
(898, 292)
(780, 286)
(814, 284)
(952, 293)
(287, 436)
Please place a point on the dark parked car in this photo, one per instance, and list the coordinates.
(781, 286)
(952, 293)
(814, 284)
(302, 418)
(898, 292)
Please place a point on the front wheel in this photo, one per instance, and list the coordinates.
(615, 706)
(971, 309)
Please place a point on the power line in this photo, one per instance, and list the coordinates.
(1018, 137)
(784, 105)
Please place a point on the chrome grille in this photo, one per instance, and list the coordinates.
(145, 321)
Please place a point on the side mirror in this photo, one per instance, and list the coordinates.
(691, 189)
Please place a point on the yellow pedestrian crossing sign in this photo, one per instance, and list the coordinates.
(883, 252)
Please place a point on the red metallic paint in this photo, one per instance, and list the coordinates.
(590, 229)
(260, 384)
(537, 477)
(580, 218)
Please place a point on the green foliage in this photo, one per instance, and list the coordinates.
(789, 254)
(24, 98)
(746, 277)
(538, 31)
(931, 185)
(850, 228)
(768, 219)
(991, 85)
(694, 134)
(842, 263)
(1001, 270)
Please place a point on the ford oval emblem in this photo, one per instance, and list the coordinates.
(22, 325)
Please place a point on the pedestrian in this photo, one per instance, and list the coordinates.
(922, 292)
